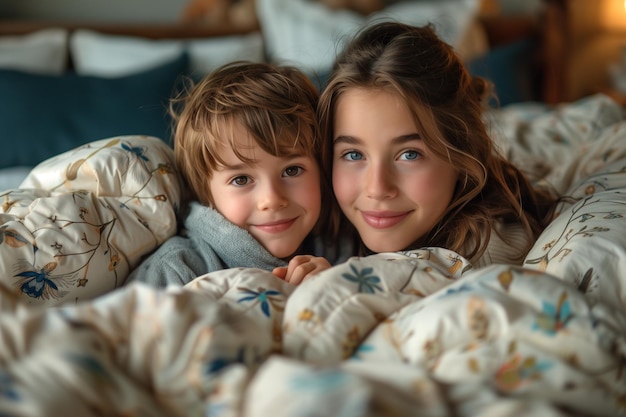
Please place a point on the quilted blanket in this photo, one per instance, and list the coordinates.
(392, 334)
(82, 220)
(385, 335)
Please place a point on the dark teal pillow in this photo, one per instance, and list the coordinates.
(510, 68)
(42, 116)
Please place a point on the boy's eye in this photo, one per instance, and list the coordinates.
(353, 156)
(240, 180)
(410, 155)
(292, 171)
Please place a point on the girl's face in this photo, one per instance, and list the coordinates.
(387, 183)
(277, 200)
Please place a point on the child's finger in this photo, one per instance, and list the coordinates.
(280, 272)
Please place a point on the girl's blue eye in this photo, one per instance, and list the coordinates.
(353, 156)
(410, 155)
(240, 180)
(292, 171)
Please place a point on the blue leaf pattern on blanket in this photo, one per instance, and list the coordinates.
(368, 283)
(220, 363)
(7, 387)
(136, 150)
(554, 316)
(263, 297)
(11, 237)
(37, 283)
(322, 380)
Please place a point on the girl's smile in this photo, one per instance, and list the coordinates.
(387, 182)
(383, 219)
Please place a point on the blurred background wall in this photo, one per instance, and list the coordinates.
(149, 11)
(118, 11)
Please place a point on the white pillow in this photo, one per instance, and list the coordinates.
(41, 52)
(101, 55)
(104, 55)
(12, 177)
(208, 54)
(304, 33)
(309, 34)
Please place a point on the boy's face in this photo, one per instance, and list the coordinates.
(277, 200)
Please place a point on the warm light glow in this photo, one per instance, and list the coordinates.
(613, 15)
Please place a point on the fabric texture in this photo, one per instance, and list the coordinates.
(42, 115)
(210, 243)
(309, 34)
(42, 52)
(418, 333)
(83, 219)
(104, 55)
(381, 335)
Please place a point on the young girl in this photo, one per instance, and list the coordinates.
(246, 141)
(412, 164)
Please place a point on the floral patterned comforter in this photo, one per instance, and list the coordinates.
(82, 220)
(416, 333)
(385, 335)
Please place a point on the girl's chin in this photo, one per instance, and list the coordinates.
(376, 247)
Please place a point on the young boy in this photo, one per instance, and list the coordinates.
(246, 142)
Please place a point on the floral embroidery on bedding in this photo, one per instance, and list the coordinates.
(41, 281)
(265, 298)
(222, 362)
(554, 316)
(8, 389)
(559, 244)
(83, 218)
(518, 371)
(367, 282)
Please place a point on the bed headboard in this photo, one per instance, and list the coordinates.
(82, 82)
(104, 66)
(150, 31)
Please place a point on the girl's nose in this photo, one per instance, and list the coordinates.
(272, 197)
(380, 182)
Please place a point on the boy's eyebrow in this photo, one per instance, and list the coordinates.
(246, 165)
(351, 140)
(236, 167)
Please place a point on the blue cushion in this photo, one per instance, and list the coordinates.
(42, 116)
(510, 68)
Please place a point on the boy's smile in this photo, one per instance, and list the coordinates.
(276, 199)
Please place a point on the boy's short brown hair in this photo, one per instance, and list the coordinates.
(275, 104)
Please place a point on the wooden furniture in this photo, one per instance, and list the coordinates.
(555, 35)
(151, 31)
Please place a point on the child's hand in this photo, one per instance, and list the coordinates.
(300, 268)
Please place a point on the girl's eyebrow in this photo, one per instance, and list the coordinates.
(351, 140)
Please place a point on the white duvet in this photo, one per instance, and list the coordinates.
(418, 333)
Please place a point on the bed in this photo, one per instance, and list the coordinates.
(415, 333)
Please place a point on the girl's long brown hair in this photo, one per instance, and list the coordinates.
(448, 105)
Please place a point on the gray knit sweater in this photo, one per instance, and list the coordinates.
(213, 243)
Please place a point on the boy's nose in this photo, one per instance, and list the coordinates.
(379, 182)
(272, 197)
